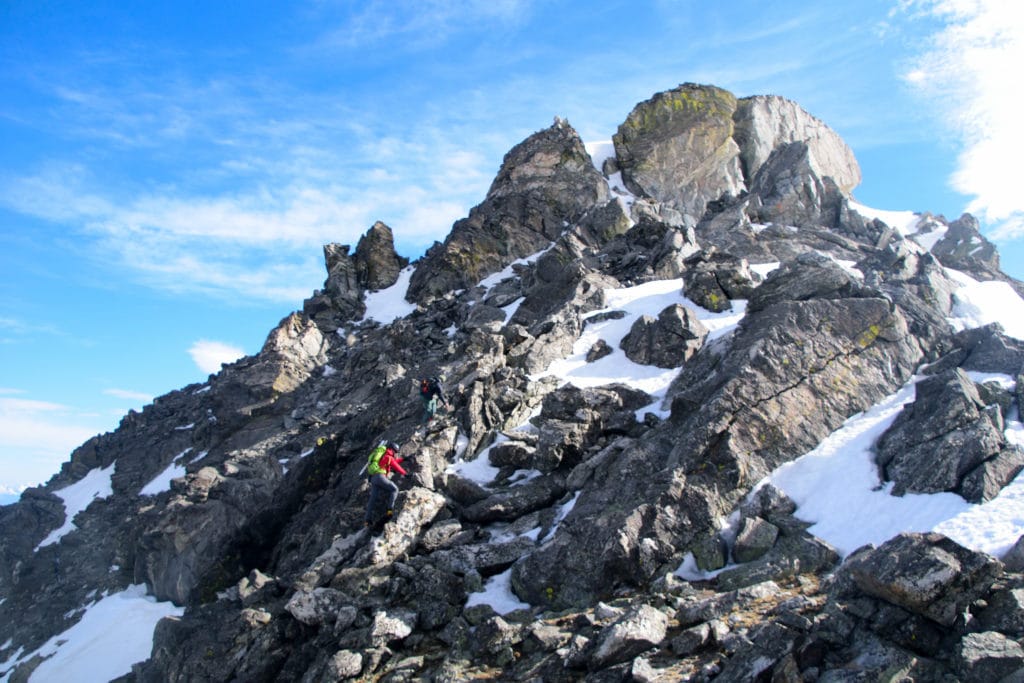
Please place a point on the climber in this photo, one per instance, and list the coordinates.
(382, 460)
(431, 393)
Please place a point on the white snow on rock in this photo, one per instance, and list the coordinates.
(599, 152)
(388, 305)
(646, 299)
(162, 481)
(978, 303)
(904, 222)
(77, 496)
(498, 594)
(113, 634)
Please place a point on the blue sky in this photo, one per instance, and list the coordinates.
(170, 171)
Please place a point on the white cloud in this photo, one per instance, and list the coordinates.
(968, 70)
(36, 437)
(210, 355)
(137, 396)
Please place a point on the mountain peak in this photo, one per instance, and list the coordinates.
(678, 395)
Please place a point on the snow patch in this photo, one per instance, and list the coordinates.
(903, 222)
(162, 481)
(976, 304)
(388, 305)
(498, 594)
(112, 635)
(94, 485)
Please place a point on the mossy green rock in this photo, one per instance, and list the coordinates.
(678, 148)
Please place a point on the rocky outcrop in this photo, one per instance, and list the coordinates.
(697, 146)
(546, 184)
(963, 247)
(948, 439)
(667, 341)
(292, 352)
(765, 123)
(374, 266)
(377, 265)
(787, 190)
(341, 298)
(712, 279)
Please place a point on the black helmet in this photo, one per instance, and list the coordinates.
(393, 446)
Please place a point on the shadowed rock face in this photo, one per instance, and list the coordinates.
(546, 184)
(377, 264)
(594, 495)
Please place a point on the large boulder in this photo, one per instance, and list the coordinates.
(927, 574)
(667, 341)
(767, 122)
(640, 629)
(712, 279)
(678, 148)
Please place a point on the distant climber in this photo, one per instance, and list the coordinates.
(431, 394)
(381, 462)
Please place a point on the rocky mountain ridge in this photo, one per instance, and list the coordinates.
(601, 492)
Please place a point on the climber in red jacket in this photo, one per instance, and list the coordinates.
(382, 461)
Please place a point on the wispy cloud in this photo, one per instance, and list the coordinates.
(419, 24)
(38, 435)
(210, 355)
(130, 395)
(14, 329)
(967, 70)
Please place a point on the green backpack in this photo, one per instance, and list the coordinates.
(373, 462)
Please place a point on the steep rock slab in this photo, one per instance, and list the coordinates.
(814, 348)
(624, 526)
(678, 148)
(766, 122)
(795, 370)
(291, 353)
(546, 183)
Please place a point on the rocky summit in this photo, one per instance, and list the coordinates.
(240, 501)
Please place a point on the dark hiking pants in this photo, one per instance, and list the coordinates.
(381, 488)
